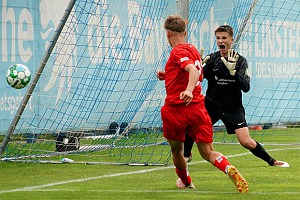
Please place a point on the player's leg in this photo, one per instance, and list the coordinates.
(246, 141)
(255, 147)
(180, 165)
(174, 125)
(214, 115)
(221, 162)
(188, 146)
(204, 140)
(177, 157)
(235, 123)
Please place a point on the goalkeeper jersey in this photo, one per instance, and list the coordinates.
(225, 90)
(176, 78)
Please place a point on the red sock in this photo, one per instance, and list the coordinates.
(221, 162)
(182, 174)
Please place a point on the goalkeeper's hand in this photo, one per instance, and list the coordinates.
(231, 63)
(205, 59)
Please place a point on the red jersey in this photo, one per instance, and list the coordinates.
(176, 78)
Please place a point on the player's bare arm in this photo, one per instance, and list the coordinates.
(187, 95)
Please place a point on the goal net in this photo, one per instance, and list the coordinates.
(95, 95)
(267, 35)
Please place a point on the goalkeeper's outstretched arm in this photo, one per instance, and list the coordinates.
(241, 74)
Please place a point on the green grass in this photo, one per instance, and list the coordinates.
(79, 181)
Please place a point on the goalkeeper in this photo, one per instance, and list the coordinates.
(226, 74)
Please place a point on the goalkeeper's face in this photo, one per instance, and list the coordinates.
(224, 41)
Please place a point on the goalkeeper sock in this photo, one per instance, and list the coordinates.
(184, 176)
(188, 145)
(261, 153)
(221, 162)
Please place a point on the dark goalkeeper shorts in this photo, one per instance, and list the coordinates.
(232, 119)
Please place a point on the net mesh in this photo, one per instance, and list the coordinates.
(98, 98)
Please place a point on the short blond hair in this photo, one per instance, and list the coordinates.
(175, 23)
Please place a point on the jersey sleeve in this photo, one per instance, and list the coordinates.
(242, 76)
(183, 58)
(208, 68)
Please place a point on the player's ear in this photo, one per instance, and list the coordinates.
(169, 33)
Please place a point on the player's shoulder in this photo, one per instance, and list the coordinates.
(241, 59)
(215, 54)
(185, 49)
(178, 48)
(185, 46)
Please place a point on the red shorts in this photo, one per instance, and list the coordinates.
(192, 119)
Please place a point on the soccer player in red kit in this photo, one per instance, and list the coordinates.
(184, 110)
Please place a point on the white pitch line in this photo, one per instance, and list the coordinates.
(38, 187)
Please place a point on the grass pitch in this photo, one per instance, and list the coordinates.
(79, 181)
